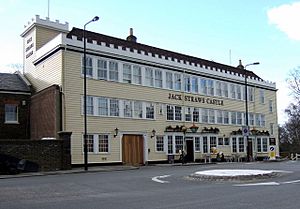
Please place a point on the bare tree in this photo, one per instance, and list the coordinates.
(294, 82)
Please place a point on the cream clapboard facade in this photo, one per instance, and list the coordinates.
(143, 101)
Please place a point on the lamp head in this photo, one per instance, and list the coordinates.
(96, 18)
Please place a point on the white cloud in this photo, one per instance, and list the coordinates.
(286, 18)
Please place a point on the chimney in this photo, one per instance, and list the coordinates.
(131, 37)
(240, 66)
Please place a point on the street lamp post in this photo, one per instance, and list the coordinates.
(249, 156)
(84, 97)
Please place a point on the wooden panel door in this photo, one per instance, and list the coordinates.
(133, 149)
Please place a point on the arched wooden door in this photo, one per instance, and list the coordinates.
(133, 149)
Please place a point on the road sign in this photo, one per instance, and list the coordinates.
(272, 153)
(245, 130)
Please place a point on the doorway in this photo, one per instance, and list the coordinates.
(189, 151)
(133, 149)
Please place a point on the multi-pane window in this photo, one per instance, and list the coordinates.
(177, 80)
(234, 144)
(102, 69)
(159, 143)
(257, 120)
(197, 144)
(170, 144)
(178, 143)
(187, 83)
(138, 109)
(188, 114)
(126, 73)
(270, 106)
(220, 141)
(204, 114)
(89, 105)
(90, 143)
(203, 86)
(251, 119)
(261, 96)
(170, 112)
(127, 108)
(11, 113)
(213, 142)
(226, 117)
(102, 106)
(103, 143)
(205, 144)
(211, 116)
(226, 141)
(149, 76)
(241, 144)
(196, 115)
(251, 94)
(263, 120)
(225, 89)
(137, 74)
(232, 91)
(210, 87)
(149, 111)
(113, 71)
(169, 80)
(258, 144)
(265, 144)
(238, 92)
(271, 128)
(178, 113)
(194, 86)
(158, 78)
(233, 118)
(114, 107)
(239, 118)
(89, 66)
(218, 88)
(219, 117)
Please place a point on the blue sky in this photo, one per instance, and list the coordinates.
(224, 31)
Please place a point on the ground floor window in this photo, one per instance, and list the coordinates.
(262, 144)
(159, 144)
(97, 143)
(11, 113)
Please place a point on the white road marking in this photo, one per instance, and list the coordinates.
(157, 179)
(272, 183)
(259, 184)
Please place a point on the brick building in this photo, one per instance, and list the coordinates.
(15, 96)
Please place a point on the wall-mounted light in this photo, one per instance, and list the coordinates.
(153, 133)
(116, 132)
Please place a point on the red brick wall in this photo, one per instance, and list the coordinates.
(22, 129)
(45, 117)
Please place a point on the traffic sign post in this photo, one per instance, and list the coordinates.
(272, 153)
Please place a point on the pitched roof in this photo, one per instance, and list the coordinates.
(90, 36)
(13, 82)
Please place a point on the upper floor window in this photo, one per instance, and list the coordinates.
(102, 69)
(177, 81)
(102, 106)
(158, 78)
(194, 86)
(126, 73)
(149, 77)
(203, 86)
(251, 94)
(270, 106)
(238, 92)
(138, 109)
(113, 71)
(11, 113)
(149, 111)
(89, 66)
(187, 83)
(210, 87)
(127, 108)
(232, 91)
(196, 114)
(225, 89)
(218, 88)
(169, 80)
(114, 107)
(136, 74)
(89, 105)
(261, 96)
